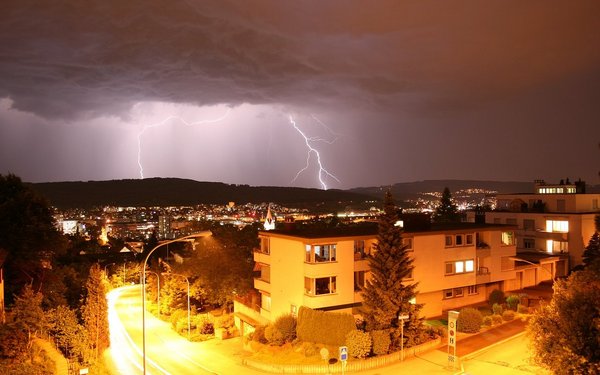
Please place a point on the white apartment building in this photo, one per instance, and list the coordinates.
(454, 265)
(554, 224)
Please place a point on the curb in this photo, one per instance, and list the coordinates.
(479, 351)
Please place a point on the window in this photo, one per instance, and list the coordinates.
(320, 286)
(448, 240)
(265, 245)
(265, 301)
(594, 204)
(460, 266)
(359, 280)
(508, 238)
(557, 246)
(469, 239)
(529, 243)
(557, 226)
(469, 266)
(294, 310)
(453, 293)
(408, 242)
(320, 253)
(528, 224)
(359, 246)
(458, 239)
(472, 290)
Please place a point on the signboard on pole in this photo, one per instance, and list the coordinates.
(343, 353)
(452, 317)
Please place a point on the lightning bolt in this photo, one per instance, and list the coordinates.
(165, 121)
(323, 173)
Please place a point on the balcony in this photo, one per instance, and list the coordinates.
(262, 256)
(555, 236)
(262, 285)
(483, 275)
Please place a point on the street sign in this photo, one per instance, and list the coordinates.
(452, 317)
(451, 358)
(343, 353)
(403, 317)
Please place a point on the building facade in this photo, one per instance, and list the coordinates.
(454, 265)
(554, 224)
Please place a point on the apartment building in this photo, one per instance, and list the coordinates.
(454, 265)
(554, 225)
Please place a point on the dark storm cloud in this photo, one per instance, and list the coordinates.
(59, 59)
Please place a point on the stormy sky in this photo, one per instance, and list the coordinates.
(383, 91)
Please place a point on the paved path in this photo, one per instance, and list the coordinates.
(472, 343)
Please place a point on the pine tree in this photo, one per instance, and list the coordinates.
(591, 254)
(385, 296)
(446, 211)
(95, 311)
(28, 315)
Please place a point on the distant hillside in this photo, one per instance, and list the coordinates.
(179, 192)
(407, 190)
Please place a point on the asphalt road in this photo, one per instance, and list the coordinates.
(166, 352)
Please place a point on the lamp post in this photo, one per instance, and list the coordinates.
(182, 239)
(109, 264)
(158, 291)
(188, 297)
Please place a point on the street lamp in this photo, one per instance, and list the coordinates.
(109, 264)
(158, 291)
(182, 239)
(188, 297)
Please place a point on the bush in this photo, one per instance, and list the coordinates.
(286, 324)
(310, 349)
(177, 316)
(274, 336)
(497, 309)
(381, 342)
(324, 327)
(358, 343)
(508, 315)
(512, 301)
(259, 335)
(224, 321)
(469, 320)
(497, 319)
(522, 309)
(487, 321)
(496, 296)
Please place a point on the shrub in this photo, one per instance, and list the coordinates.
(469, 320)
(274, 336)
(497, 309)
(508, 315)
(496, 296)
(286, 324)
(176, 316)
(487, 321)
(224, 321)
(512, 301)
(497, 319)
(310, 349)
(259, 335)
(381, 342)
(358, 343)
(521, 309)
(324, 327)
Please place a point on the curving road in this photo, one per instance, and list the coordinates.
(166, 352)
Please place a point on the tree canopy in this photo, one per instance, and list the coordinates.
(565, 333)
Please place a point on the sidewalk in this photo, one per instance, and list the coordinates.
(477, 341)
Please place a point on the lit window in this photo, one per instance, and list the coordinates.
(459, 267)
(469, 264)
(266, 302)
(508, 238)
(321, 253)
(556, 246)
(557, 226)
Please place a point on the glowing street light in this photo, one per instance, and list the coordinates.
(188, 297)
(182, 239)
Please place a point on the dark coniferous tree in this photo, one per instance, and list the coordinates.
(591, 254)
(446, 211)
(387, 294)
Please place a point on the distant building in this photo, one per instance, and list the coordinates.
(554, 225)
(455, 265)
(164, 227)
